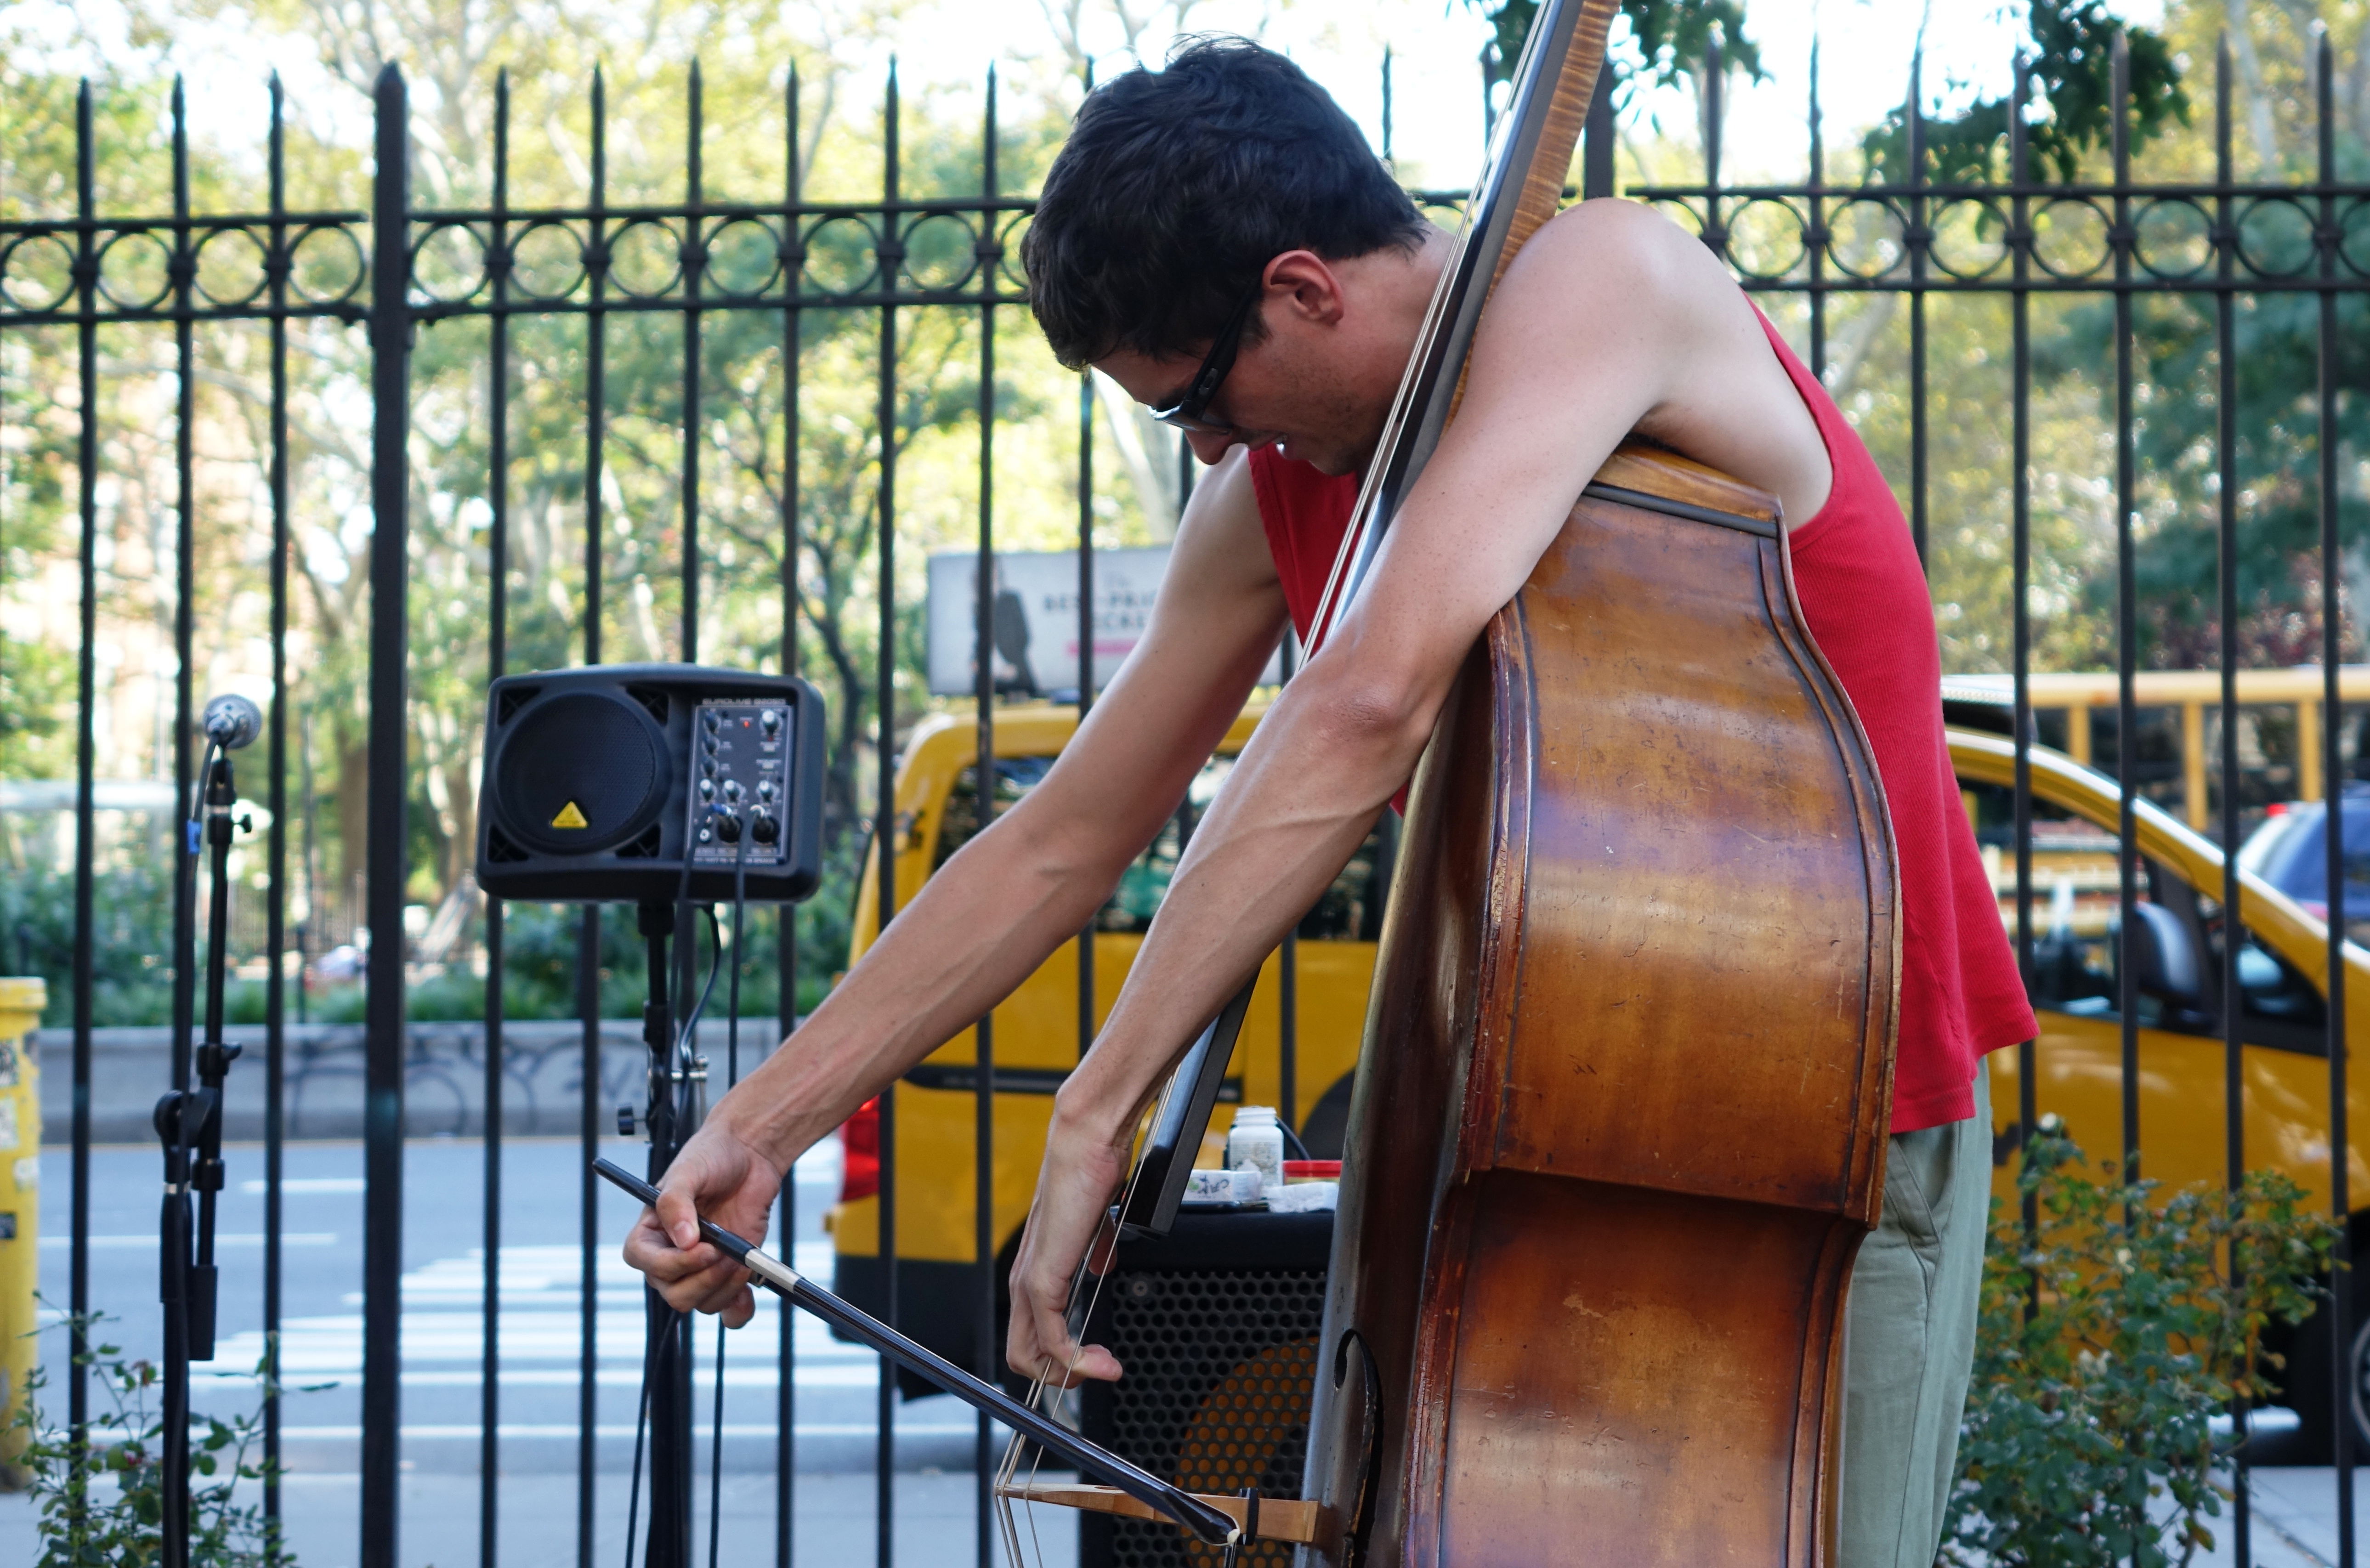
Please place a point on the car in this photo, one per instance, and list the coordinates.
(1035, 1032)
(2290, 850)
(2177, 950)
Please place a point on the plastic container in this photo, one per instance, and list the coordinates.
(1257, 1139)
(1296, 1170)
(1223, 1186)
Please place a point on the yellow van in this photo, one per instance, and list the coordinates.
(1035, 1033)
(2075, 877)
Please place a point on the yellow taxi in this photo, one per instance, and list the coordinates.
(2281, 967)
(2178, 953)
(1035, 1033)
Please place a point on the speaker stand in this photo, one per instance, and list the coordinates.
(667, 1362)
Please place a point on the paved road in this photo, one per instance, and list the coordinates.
(539, 1274)
(837, 1385)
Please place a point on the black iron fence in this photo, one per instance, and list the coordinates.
(2232, 253)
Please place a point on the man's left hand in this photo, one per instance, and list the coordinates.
(1075, 1187)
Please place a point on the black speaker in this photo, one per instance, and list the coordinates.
(1217, 1324)
(603, 784)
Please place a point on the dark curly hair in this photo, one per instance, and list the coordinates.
(1178, 186)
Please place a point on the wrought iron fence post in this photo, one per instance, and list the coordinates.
(793, 259)
(275, 903)
(887, 837)
(390, 327)
(2345, 1390)
(988, 1357)
(2226, 451)
(2127, 995)
(86, 280)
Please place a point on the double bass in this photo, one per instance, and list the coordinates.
(1619, 1119)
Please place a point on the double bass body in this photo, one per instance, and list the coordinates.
(1619, 1123)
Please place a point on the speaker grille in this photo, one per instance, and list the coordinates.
(1219, 1373)
(582, 756)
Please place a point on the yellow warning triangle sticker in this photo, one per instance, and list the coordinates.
(569, 818)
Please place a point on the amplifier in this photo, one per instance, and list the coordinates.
(606, 783)
(1217, 1324)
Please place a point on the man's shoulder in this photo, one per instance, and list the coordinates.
(1627, 242)
(1609, 269)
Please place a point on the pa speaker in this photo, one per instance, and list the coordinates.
(1217, 1326)
(606, 783)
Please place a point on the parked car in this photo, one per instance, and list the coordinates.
(2178, 948)
(2290, 850)
(1035, 1031)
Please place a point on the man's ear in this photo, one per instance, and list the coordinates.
(1303, 287)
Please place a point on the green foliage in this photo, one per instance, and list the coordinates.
(2109, 1339)
(132, 924)
(2278, 426)
(2072, 73)
(101, 1501)
(1673, 35)
(37, 682)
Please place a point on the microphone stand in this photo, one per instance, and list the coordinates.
(189, 1124)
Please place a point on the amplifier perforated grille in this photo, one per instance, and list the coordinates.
(1219, 1369)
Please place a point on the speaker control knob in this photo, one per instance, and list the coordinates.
(731, 789)
(707, 789)
(711, 717)
(764, 789)
(771, 718)
(707, 744)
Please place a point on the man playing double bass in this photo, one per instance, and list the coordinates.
(1218, 239)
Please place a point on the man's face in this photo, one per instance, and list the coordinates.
(1270, 398)
(1316, 381)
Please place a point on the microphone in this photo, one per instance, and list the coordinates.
(232, 722)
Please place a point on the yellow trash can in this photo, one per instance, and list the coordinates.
(21, 1002)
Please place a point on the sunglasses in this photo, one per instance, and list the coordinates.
(1188, 412)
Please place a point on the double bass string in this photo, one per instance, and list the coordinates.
(1554, 82)
(1011, 1464)
(1333, 601)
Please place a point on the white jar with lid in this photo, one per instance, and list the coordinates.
(1257, 1139)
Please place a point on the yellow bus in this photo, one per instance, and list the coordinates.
(2280, 744)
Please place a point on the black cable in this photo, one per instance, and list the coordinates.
(641, 1420)
(1294, 1139)
(715, 957)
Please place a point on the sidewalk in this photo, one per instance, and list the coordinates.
(538, 1528)
(2295, 1517)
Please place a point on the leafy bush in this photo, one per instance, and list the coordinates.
(85, 1524)
(132, 943)
(2111, 1337)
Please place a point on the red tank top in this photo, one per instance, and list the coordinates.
(1864, 594)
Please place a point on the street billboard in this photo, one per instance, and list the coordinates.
(1036, 618)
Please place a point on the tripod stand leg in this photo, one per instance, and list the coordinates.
(173, 1233)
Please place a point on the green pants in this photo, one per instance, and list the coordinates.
(1909, 1341)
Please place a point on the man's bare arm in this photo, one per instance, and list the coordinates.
(1011, 896)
